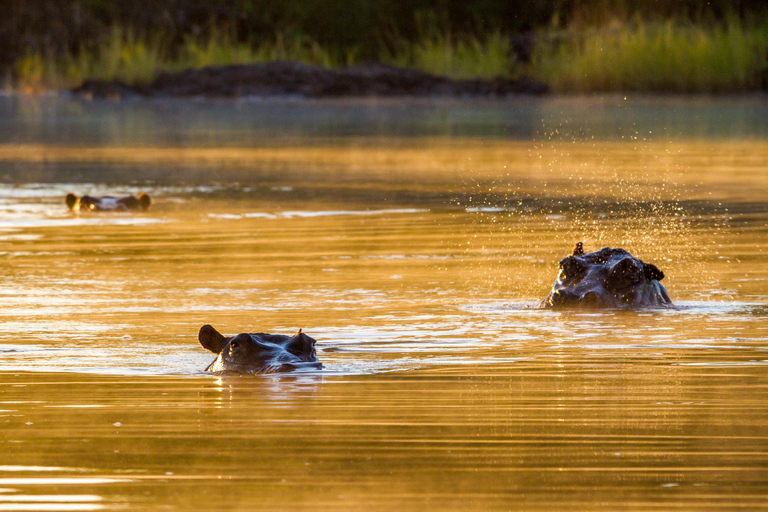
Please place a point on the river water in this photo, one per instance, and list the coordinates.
(413, 240)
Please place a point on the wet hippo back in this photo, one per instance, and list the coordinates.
(251, 353)
(610, 278)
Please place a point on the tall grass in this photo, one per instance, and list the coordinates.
(670, 56)
(466, 57)
(122, 56)
(220, 48)
(658, 57)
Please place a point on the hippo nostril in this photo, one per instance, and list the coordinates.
(629, 298)
(561, 298)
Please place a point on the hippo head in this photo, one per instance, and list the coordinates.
(141, 202)
(258, 352)
(608, 278)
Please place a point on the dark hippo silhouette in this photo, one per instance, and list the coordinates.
(258, 352)
(108, 203)
(608, 278)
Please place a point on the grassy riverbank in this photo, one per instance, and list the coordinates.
(658, 57)
(636, 56)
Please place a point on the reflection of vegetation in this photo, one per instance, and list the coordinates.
(658, 57)
(640, 56)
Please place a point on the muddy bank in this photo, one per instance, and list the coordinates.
(285, 78)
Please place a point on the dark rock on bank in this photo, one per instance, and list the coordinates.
(112, 89)
(285, 78)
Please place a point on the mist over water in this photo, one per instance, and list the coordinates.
(413, 241)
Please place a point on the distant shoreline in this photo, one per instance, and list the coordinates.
(294, 79)
(625, 57)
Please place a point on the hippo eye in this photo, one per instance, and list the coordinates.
(625, 273)
(234, 346)
(626, 267)
(571, 267)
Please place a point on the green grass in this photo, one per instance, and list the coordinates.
(221, 49)
(658, 57)
(124, 57)
(466, 57)
(621, 57)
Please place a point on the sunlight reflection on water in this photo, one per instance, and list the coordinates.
(417, 262)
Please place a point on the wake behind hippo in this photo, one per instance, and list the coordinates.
(108, 203)
(252, 353)
(608, 278)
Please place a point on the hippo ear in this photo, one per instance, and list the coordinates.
(301, 344)
(144, 200)
(71, 200)
(212, 339)
(578, 249)
(303, 339)
(571, 267)
(652, 272)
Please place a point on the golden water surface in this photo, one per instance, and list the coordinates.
(416, 260)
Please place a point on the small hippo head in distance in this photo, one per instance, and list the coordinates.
(86, 203)
(251, 353)
(608, 278)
